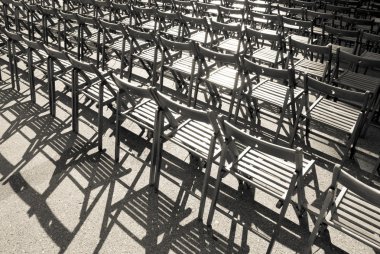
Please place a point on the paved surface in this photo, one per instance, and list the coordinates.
(58, 194)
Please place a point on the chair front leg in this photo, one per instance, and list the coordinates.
(100, 117)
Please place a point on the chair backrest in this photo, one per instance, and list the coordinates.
(336, 35)
(351, 23)
(258, 38)
(84, 68)
(270, 20)
(308, 5)
(335, 92)
(369, 42)
(114, 26)
(355, 61)
(184, 6)
(227, 14)
(168, 104)
(33, 44)
(139, 35)
(320, 17)
(361, 189)
(255, 6)
(290, 12)
(124, 85)
(205, 9)
(286, 75)
(235, 134)
(178, 46)
(311, 51)
(57, 54)
(223, 58)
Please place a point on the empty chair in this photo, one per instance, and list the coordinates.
(354, 210)
(300, 30)
(314, 60)
(58, 68)
(346, 40)
(135, 104)
(274, 87)
(226, 79)
(93, 84)
(198, 133)
(354, 76)
(148, 54)
(332, 114)
(227, 37)
(231, 15)
(145, 18)
(184, 65)
(197, 30)
(264, 47)
(369, 46)
(170, 24)
(278, 171)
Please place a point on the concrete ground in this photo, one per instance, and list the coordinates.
(58, 194)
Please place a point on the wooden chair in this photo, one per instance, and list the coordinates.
(354, 210)
(346, 40)
(273, 169)
(226, 78)
(197, 30)
(227, 37)
(135, 104)
(274, 87)
(170, 25)
(184, 65)
(198, 133)
(268, 23)
(185, 7)
(315, 60)
(300, 30)
(145, 18)
(264, 47)
(333, 115)
(115, 41)
(369, 46)
(206, 10)
(149, 55)
(58, 68)
(262, 7)
(94, 85)
(354, 77)
(231, 15)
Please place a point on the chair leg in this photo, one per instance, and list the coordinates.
(117, 129)
(282, 214)
(100, 118)
(75, 103)
(206, 179)
(217, 186)
(159, 147)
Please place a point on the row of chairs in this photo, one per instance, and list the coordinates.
(202, 132)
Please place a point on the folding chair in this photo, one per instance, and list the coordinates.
(227, 37)
(333, 115)
(273, 169)
(143, 111)
(346, 40)
(198, 133)
(231, 15)
(274, 87)
(268, 23)
(58, 68)
(184, 7)
(149, 55)
(92, 83)
(315, 60)
(264, 47)
(197, 30)
(226, 78)
(122, 13)
(184, 64)
(369, 46)
(145, 18)
(354, 210)
(262, 7)
(300, 30)
(351, 23)
(170, 25)
(352, 77)
(206, 10)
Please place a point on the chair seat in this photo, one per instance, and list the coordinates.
(267, 172)
(358, 216)
(273, 93)
(195, 136)
(334, 47)
(231, 45)
(267, 54)
(149, 25)
(302, 39)
(117, 45)
(143, 113)
(358, 81)
(200, 36)
(173, 31)
(268, 31)
(224, 77)
(371, 55)
(337, 115)
(92, 92)
(305, 66)
(148, 55)
(183, 65)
